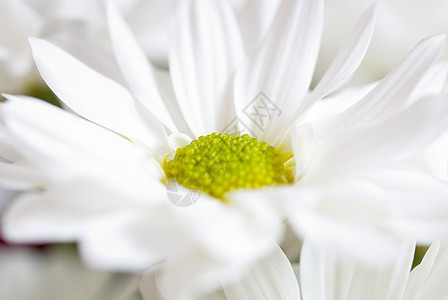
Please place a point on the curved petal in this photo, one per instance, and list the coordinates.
(428, 279)
(206, 50)
(369, 147)
(68, 147)
(392, 93)
(90, 94)
(417, 201)
(347, 59)
(325, 276)
(137, 69)
(270, 278)
(255, 19)
(281, 68)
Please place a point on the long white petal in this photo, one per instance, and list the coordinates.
(347, 59)
(206, 50)
(69, 147)
(136, 68)
(255, 19)
(281, 69)
(372, 146)
(270, 278)
(392, 93)
(91, 94)
(427, 281)
(323, 276)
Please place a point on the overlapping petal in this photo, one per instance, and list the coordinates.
(206, 50)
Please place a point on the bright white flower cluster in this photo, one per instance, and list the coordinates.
(363, 177)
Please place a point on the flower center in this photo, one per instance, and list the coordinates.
(219, 163)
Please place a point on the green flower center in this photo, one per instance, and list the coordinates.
(219, 163)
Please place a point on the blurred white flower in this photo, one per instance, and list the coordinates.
(80, 25)
(102, 183)
(401, 24)
(53, 274)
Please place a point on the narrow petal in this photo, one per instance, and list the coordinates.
(281, 68)
(206, 50)
(428, 280)
(69, 147)
(392, 93)
(323, 276)
(91, 94)
(372, 146)
(255, 19)
(347, 59)
(270, 278)
(137, 69)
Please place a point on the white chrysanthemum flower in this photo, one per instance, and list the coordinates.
(103, 186)
(322, 276)
(51, 274)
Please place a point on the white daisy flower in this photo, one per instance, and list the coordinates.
(103, 183)
(51, 274)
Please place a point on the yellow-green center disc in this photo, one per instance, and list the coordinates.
(219, 163)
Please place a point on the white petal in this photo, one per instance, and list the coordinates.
(239, 231)
(428, 279)
(324, 276)
(7, 149)
(369, 147)
(66, 146)
(178, 140)
(131, 240)
(67, 212)
(416, 202)
(90, 94)
(392, 93)
(92, 55)
(434, 158)
(342, 217)
(347, 59)
(137, 69)
(432, 83)
(32, 218)
(270, 278)
(206, 50)
(281, 68)
(20, 176)
(255, 19)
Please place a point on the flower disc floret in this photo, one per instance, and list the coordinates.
(219, 163)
